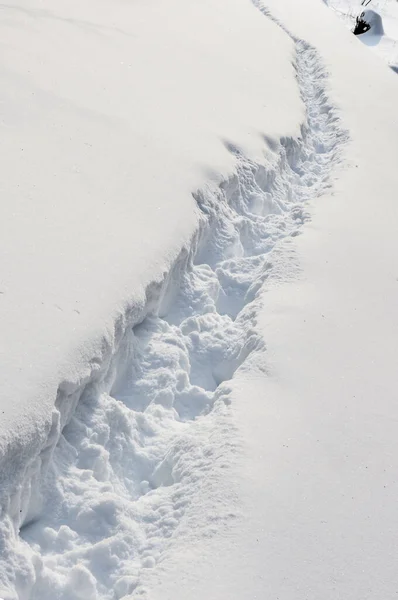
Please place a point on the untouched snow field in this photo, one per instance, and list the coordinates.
(382, 38)
(197, 401)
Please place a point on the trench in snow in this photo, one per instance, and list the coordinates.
(123, 462)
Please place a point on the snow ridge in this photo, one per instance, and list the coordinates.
(127, 450)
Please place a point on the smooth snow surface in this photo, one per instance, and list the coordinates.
(382, 15)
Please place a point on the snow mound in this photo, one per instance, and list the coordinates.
(383, 19)
(375, 21)
(376, 31)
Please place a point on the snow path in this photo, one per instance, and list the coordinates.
(123, 462)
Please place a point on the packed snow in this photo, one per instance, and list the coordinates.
(199, 304)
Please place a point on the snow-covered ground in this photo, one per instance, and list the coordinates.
(382, 37)
(199, 293)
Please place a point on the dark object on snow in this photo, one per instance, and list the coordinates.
(361, 26)
(369, 19)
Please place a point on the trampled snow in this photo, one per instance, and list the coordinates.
(114, 117)
(315, 478)
(193, 400)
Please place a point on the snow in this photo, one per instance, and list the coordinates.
(101, 118)
(201, 402)
(314, 484)
(113, 116)
(382, 15)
